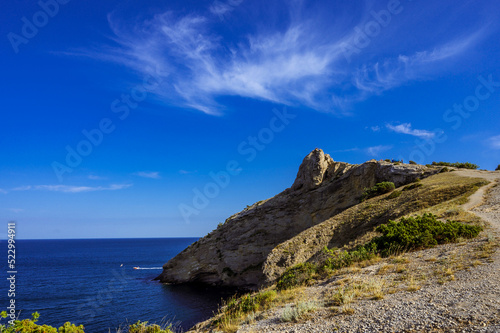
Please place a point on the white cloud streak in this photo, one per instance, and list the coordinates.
(187, 172)
(148, 174)
(406, 129)
(494, 142)
(376, 150)
(221, 8)
(94, 177)
(73, 189)
(298, 65)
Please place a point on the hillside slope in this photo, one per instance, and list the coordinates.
(237, 253)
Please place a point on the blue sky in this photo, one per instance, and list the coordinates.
(163, 118)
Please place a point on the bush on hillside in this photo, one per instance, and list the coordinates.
(413, 233)
(412, 186)
(393, 195)
(378, 189)
(498, 168)
(460, 165)
(347, 258)
(30, 326)
(413, 162)
(296, 276)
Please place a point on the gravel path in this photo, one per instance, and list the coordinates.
(470, 303)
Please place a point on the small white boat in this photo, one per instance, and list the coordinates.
(136, 267)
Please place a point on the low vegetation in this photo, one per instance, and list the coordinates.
(298, 311)
(31, 326)
(498, 168)
(460, 165)
(296, 276)
(378, 189)
(394, 195)
(414, 233)
(409, 234)
(239, 309)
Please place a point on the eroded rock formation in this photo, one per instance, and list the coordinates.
(234, 253)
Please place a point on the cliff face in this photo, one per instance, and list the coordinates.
(234, 254)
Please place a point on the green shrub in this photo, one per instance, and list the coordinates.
(394, 194)
(71, 328)
(238, 306)
(387, 160)
(378, 189)
(298, 311)
(143, 327)
(342, 259)
(413, 162)
(445, 169)
(296, 276)
(419, 232)
(412, 186)
(498, 168)
(30, 326)
(409, 234)
(460, 165)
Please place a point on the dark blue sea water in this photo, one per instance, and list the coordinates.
(81, 281)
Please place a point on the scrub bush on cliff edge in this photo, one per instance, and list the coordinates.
(30, 326)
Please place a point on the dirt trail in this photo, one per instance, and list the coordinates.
(486, 201)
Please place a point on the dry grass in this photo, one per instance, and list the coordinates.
(442, 195)
(385, 268)
(412, 284)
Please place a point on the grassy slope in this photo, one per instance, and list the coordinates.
(441, 194)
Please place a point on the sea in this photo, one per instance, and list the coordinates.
(93, 282)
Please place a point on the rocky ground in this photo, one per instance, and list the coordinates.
(450, 288)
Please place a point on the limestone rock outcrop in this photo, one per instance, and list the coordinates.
(234, 253)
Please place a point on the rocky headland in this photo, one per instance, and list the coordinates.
(452, 287)
(243, 251)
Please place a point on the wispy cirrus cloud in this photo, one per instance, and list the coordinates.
(406, 129)
(345, 150)
(394, 72)
(298, 64)
(187, 172)
(221, 8)
(377, 150)
(494, 142)
(3, 191)
(22, 188)
(72, 189)
(95, 177)
(148, 174)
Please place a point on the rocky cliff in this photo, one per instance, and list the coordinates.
(237, 252)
